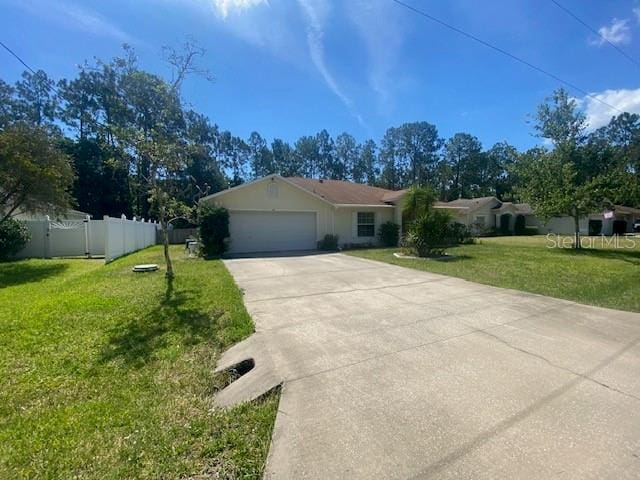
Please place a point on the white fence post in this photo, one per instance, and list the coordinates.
(105, 219)
(123, 222)
(87, 237)
(47, 237)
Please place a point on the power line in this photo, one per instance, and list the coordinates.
(26, 65)
(593, 30)
(51, 86)
(504, 52)
(17, 57)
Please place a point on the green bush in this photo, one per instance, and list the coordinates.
(389, 234)
(432, 233)
(213, 229)
(520, 226)
(14, 235)
(329, 243)
(460, 233)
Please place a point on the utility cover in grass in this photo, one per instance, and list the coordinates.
(148, 267)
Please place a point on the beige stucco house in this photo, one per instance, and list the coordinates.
(486, 213)
(275, 213)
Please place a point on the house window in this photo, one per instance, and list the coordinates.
(480, 220)
(366, 224)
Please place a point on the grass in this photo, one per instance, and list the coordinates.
(602, 275)
(108, 374)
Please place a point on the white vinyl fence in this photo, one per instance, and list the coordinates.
(111, 237)
(124, 236)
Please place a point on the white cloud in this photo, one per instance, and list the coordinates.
(617, 33)
(224, 7)
(636, 12)
(316, 13)
(378, 23)
(75, 17)
(598, 114)
(278, 29)
(271, 25)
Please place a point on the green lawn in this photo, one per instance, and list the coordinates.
(108, 374)
(604, 275)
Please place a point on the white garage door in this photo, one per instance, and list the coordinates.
(272, 231)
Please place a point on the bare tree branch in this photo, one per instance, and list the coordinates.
(184, 62)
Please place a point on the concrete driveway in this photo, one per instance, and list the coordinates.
(393, 373)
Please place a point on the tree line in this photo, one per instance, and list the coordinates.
(108, 118)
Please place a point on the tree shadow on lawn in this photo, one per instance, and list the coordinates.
(171, 322)
(452, 258)
(20, 272)
(449, 258)
(625, 255)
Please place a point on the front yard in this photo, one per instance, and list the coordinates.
(108, 374)
(602, 275)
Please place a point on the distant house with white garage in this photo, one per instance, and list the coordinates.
(619, 220)
(486, 213)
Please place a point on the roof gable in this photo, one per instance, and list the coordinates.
(334, 192)
(518, 208)
(258, 181)
(339, 192)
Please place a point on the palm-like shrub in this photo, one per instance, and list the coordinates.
(417, 202)
(433, 233)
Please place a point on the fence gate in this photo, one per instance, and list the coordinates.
(68, 238)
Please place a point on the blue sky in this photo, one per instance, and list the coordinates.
(287, 68)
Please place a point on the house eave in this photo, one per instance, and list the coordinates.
(268, 177)
(451, 207)
(361, 205)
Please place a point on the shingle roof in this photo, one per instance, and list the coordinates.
(392, 196)
(470, 203)
(624, 210)
(523, 208)
(348, 193)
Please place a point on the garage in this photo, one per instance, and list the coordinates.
(254, 231)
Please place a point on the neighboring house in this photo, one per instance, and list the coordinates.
(68, 215)
(486, 213)
(276, 213)
(619, 220)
